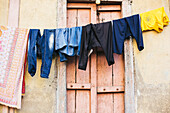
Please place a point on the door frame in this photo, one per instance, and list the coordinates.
(128, 56)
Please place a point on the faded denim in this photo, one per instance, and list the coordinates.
(42, 45)
(68, 42)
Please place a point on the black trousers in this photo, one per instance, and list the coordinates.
(96, 35)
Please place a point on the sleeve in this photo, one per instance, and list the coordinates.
(83, 50)
(139, 35)
(165, 17)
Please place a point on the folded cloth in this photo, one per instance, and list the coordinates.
(68, 42)
(13, 43)
(96, 35)
(125, 27)
(154, 20)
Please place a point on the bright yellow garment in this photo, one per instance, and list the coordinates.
(154, 20)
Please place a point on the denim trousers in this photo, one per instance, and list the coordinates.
(67, 42)
(42, 46)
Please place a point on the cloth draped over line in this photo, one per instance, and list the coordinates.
(125, 27)
(67, 42)
(13, 43)
(96, 35)
(154, 20)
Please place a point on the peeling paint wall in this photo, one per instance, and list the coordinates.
(152, 65)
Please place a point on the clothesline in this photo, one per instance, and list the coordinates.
(72, 41)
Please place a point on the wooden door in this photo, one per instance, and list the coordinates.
(99, 89)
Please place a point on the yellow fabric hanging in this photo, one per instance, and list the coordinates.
(154, 20)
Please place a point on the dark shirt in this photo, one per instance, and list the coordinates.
(96, 35)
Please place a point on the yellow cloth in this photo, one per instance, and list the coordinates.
(154, 20)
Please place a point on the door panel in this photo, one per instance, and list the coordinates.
(78, 100)
(99, 89)
(104, 78)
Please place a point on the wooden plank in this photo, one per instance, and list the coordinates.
(71, 68)
(71, 96)
(93, 1)
(104, 75)
(129, 67)
(80, 5)
(78, 86)
(108, 7)
(11, 110)
(113, 0)
(110, 89)
(13, 17)
(86, 16)
(71, 17)
(118, 72)
(93, 82)
(61, 66)
(4, 109)
(108, 16)
(83, 96)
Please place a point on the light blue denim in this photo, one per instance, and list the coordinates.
(68, 42)
(45, 45)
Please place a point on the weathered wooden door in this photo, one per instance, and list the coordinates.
(99, 89)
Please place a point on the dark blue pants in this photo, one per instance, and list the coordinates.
(42, 46)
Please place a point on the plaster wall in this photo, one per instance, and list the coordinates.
(40, 93)
(152, 67)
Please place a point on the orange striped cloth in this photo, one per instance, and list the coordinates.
(13, 43)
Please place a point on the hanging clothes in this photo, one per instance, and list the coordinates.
(154, 20)
(125, 27)
(44, 47)
(96, 35)
(24, 71)
(13, 43)
(68, 41)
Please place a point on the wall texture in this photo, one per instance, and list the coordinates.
(152, 67)
(40, 93)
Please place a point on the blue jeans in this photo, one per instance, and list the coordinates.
(42, 45)
(68, 41)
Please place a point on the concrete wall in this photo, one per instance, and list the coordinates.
(152, 65)
(40, 93)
